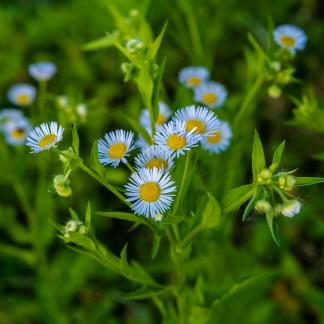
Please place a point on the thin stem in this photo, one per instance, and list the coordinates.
(187, 239)
(131, 169)
(41, 97)
(111, 188)
(245, 108)
(183, 180)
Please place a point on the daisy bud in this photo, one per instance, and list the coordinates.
(262, 206)
(274, 91)
(291, 208)
(83, 229)
(134, 44)
(158, 217)
(286, 183)
(72, 225)
(276, 66)
(62, 186)
(265, 175)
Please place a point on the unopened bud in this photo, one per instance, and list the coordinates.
(274, 91)
(82, 229)
(72, 225)
(262, 206)
(265, 176)
(276, 66)
(158, 217)
(134, 44)
(290, 208)
(62, 186)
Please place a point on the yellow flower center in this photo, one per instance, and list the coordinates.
(150, 192)
(287, 41)
(176, 142)
(46, 140)
(215, 138)
(23, 99)
(197, 124)
(194, 81)
(161, 119)
(117, 150)
(18, 134)
(157, 163)
(209, 98)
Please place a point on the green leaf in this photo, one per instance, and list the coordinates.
(250, 206)
(235, 287)
(94, 160)
(124, 216)
(124, 267)
(75, 140)
(24, 255)
(156, 88)
(73, 214)
(138, 128)
(102, 42)
(278, 154)
(87, 217)
(236, 197)
(155, 246)
(144, 293)
(154, 47)
(169, 220)
(256, 46)
(273, 227)
(258, 160)
(211, 216)
(122, 23)
(308, 181)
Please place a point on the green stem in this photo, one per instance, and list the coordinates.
(41, 97)
(182, 184)
(131, 169)
(190, 236)
(246, 105)
(111, 188)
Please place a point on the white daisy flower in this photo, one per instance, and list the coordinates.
(17, 132)
(198, 119)
(290, 37)
(211, 94)
(22, 94)
(164, 114)
(193, 76)
(290, 208)
(175, 139)
(42, 71)
(8, 117)
(154, 157)
(115, 146)
(219, 140)
(44, 136)
(150, 191)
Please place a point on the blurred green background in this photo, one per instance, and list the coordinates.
(73, 288)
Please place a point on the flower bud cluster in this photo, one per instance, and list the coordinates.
(73, 226)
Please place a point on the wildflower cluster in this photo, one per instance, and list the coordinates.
(13, 123)
(279, 70)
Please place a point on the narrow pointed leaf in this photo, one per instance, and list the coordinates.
(308, 181)
(155, 246)
(273, 227)
(236, 197)
(278, 154)
(75, 140)
(258, 160)
(250, 206)
(153, 49)
(211, 216)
